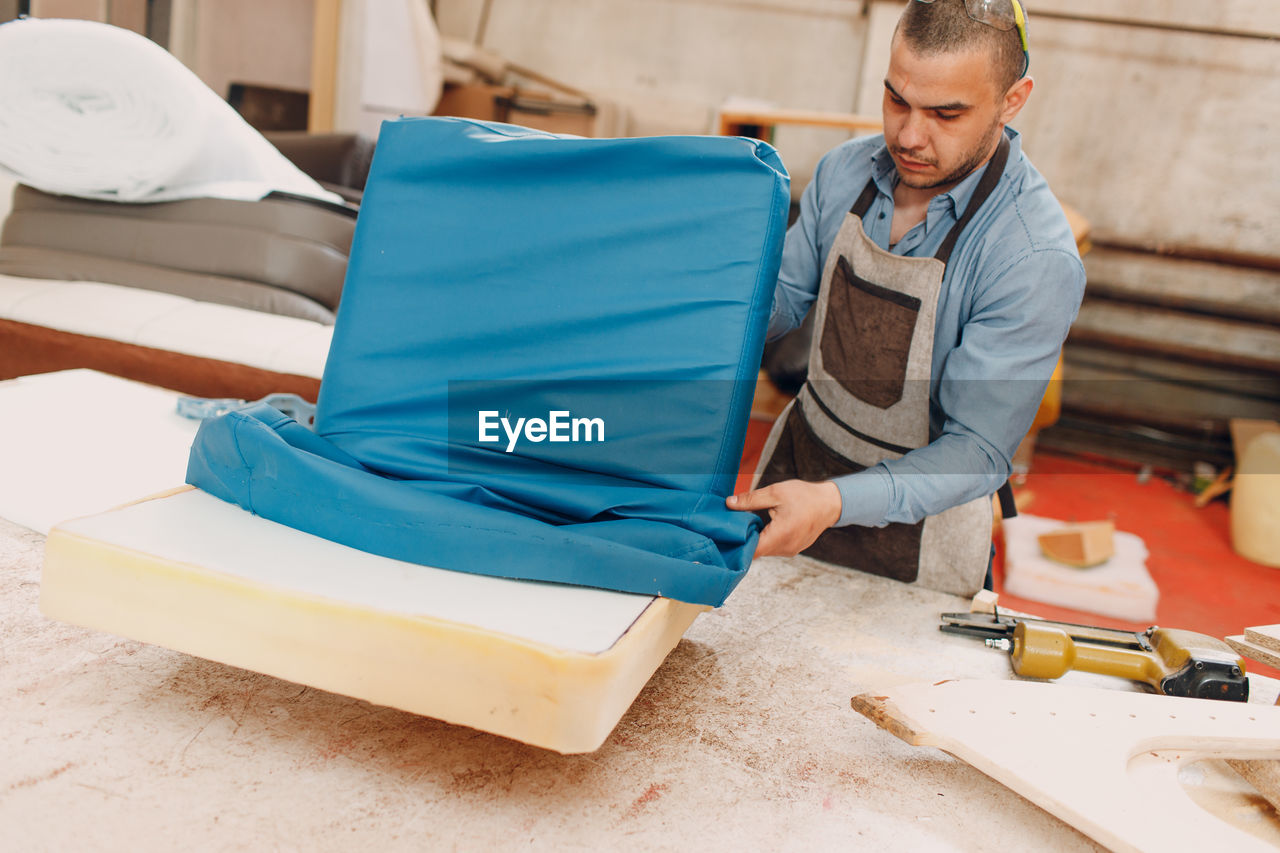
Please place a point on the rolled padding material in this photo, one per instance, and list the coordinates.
(1255, 501)
(504, 282)
(96, 111)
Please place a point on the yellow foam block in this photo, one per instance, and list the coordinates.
(550, 665)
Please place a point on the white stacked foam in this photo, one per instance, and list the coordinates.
(1121, 587)
(168, 322)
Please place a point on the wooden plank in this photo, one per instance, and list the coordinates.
(1267, 636)
(27, 349)
(1081, 229)
(1186, 408)
(1253, 651)
(1138, 445)
(324, 65)
(1137, 365)
(769, 118)
(1104, 761)
(1161, 332)
(1263, 775)
(1221, 289)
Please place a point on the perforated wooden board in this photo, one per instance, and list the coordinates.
(1105, 761)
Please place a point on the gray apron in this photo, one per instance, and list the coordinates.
(867, 400)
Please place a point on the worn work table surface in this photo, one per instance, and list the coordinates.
(744, 738)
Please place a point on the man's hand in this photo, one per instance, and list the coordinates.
(798, 514)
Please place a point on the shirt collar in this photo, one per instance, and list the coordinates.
(953, 201)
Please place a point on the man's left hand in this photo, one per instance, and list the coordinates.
(799, 512)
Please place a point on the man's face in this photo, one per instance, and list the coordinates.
(942, 115)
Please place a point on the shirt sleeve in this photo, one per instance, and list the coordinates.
(799, 278)
(990, 388)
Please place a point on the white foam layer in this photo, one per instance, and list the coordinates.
(1120, 587)
(78, 442)
(169, 322)
(196, 529)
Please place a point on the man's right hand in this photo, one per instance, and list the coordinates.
(799, 512)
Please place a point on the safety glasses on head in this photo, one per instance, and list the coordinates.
(1004, 15)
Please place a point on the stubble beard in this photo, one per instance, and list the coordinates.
(972, 160)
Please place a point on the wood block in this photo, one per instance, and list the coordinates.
(1089, 543)
(984, 602)
(1253, 651)
(1267, 636)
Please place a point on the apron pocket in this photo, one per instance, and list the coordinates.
(867, 336)
(891, 551)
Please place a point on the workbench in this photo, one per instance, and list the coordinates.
(743, 739)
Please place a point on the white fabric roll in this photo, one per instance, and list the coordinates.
(95, 111)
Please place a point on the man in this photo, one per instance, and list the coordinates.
(945, 277)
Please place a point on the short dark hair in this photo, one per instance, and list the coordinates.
(945, 27)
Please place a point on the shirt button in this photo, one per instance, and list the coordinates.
(882, 214)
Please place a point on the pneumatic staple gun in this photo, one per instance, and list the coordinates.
(1174, 662)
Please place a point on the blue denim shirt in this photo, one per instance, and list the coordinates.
(1009, 295)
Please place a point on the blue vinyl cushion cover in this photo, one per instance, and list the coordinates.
(496, 268)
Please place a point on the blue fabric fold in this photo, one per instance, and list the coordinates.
(511, 272)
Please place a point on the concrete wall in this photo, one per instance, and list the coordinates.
(244, 41)
(673, 62)
(1159, 136)
(1161, 132)
(1163, 137)
(130, 14)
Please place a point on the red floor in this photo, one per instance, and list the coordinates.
(1204, 585)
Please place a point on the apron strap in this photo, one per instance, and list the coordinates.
(990, 178)
(1008, 509)
(863, 204)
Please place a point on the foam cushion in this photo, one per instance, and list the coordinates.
(545, 664)
(1121, 587)
(506, 270)
(282, 254)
